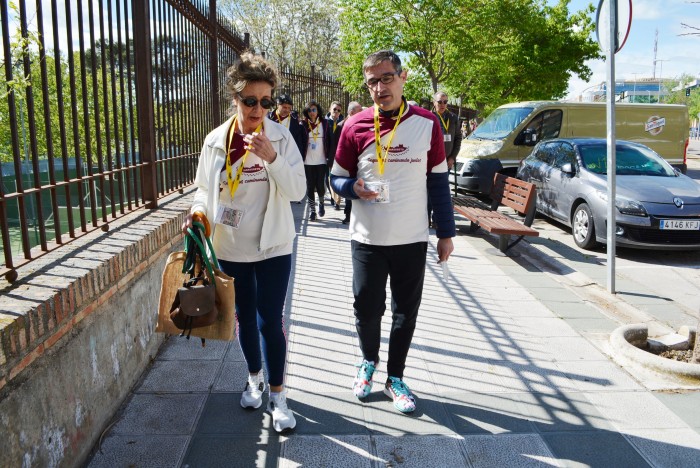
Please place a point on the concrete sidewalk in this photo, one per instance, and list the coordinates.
(508, 366)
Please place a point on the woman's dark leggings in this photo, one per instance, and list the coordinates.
(261, 289)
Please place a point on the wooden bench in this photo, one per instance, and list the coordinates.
(507, 191)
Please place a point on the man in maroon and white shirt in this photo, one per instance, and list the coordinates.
(391, 159)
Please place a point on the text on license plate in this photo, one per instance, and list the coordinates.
(679, 224)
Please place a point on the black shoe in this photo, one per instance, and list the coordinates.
(321, 209)
(346, 220)
(312, 217)
(337, 207)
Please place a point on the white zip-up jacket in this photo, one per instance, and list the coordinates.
(286, 176)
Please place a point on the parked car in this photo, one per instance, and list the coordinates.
(657, 206)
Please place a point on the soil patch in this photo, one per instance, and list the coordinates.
(674, 354)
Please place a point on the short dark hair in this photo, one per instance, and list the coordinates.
(380, 56)
(284, 99)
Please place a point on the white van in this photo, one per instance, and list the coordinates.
(508, 134)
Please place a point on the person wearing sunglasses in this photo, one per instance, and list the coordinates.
(249, 171)
(285, 115)
(390, 161)
(317, 134)
(353, 108)
(451, 134)
(335, 119)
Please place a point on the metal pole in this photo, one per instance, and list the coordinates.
(144, 101)
(612, 164)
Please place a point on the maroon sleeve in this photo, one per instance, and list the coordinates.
(346, 154)
(436, 154)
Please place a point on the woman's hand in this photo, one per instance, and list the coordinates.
(197, 217)
(259, 144)
(187, 224)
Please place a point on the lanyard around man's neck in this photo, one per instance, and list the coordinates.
(378, 138)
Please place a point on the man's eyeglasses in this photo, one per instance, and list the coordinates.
(442, 102)
(385, 78)
(265, 103)
(336, 110)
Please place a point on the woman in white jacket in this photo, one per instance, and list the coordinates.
(246, 197)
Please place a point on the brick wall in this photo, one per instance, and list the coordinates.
(87, 308)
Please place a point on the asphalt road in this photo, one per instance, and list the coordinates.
(668, 274)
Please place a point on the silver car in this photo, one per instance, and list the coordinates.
(657, 206)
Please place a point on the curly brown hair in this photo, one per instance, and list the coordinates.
(249, 68)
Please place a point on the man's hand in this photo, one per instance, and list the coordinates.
(450, 163)
(362, 192)
(444, 248)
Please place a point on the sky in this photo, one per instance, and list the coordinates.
(676, 54)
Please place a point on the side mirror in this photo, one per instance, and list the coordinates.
(529, 137)
(568, 169)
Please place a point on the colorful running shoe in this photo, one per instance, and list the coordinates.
(363, 382)
(398, 391)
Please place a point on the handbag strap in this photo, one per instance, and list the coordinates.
(211, 247)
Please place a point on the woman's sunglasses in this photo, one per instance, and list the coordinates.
(265, 103)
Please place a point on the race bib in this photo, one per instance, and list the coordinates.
(229, 216)
(381, 187)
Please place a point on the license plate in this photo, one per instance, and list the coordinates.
(679, 225)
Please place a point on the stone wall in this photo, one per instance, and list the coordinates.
(77, 332)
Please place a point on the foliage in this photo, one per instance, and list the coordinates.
(679, 97)
(486, 51)
(20, 46)
(291, 33)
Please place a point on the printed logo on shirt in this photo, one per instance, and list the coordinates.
(397, 150)
(253, 169)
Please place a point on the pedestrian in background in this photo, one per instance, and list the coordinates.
(451, 134)
(249, 170)
(285, 115)
(353, 108)
(335, 117)
(391, 160)
(317, 136)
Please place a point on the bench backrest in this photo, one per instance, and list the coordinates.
(513, 193)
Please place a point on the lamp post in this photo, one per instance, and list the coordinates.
(661, 72)
(634, 88)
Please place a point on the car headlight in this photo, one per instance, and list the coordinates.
(625, 205)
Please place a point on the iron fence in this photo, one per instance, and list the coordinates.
(103, 109)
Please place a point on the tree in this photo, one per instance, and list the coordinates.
(291, 33)
(487, 51)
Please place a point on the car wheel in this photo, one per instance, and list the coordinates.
(583, 227)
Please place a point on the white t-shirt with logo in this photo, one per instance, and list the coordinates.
(242, 244)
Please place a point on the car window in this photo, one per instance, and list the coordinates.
(563, 154)
(547, 124)
(544, 153)
(630, 160)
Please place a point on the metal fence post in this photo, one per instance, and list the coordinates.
(144, 101)
(214, 62)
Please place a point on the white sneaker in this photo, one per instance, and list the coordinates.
(254, 389)
(282, 416)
